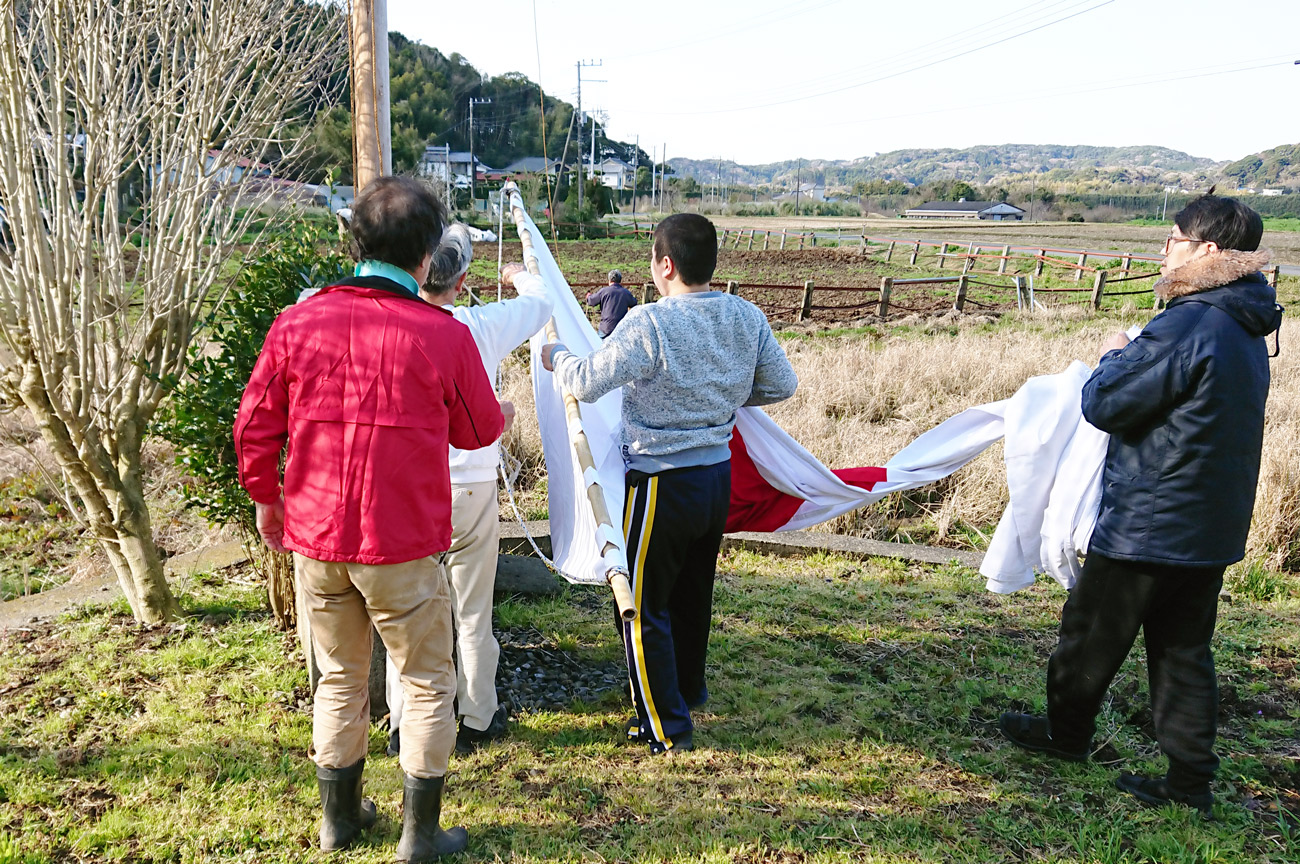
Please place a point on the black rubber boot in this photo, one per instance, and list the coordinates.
(422, 839)
(347, 814)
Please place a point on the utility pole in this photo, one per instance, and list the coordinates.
(654, 172)
(1164, 211)
(798, 185)
(372, 152)
(636, 163)
(663, 170)
(581, 64)
(473, 162)
(1033, 191)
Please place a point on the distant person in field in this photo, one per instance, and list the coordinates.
(685, 365)
(367, 385)
(471, 562)
(614, 300)
(1184, 406)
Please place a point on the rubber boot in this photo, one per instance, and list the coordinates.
(422, 839)
(347, 814)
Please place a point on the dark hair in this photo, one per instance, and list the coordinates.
(692, 242)
(397, 220)
(1226, 222)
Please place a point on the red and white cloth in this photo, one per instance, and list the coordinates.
(1054, 460)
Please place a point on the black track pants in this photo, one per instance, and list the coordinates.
(673, 522)
(1176, 609)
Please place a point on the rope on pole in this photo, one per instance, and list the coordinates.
(616, 575)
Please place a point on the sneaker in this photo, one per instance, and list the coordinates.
(395, 742)
(1030, 732)
(681, 744)
(1156, 791)
(468, 740)
(635, 734)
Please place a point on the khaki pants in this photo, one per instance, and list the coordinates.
(472, 569)
(410, 605)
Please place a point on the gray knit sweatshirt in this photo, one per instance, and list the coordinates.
(685, 365)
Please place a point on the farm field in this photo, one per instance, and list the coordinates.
(1145, 239)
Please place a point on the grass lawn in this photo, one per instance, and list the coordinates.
(852, 718)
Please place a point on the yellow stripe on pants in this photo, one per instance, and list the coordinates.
(638, 649)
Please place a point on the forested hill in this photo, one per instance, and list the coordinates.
(430, 95)
(982, 165)
(1272, 168)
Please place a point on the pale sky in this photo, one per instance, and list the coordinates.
(760, 81)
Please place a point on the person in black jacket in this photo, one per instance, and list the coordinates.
(1184, 406)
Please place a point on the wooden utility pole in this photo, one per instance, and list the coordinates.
(372, 151)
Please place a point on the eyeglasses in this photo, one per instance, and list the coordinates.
(1171, 240)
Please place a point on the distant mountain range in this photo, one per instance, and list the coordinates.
(1272, 168)
(1003, 163)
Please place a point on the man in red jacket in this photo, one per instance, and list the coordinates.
(367, 385)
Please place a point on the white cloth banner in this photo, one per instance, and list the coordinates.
(1054, 459)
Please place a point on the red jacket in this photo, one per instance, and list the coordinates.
(368, 385)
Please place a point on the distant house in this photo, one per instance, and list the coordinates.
(997, 211)
(614, 173)
(1270, 192)
(451, 166)
(533, 165)
(807, 192)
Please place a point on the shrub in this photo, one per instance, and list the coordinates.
(200, 413)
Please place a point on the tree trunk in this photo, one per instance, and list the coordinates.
(134, 557)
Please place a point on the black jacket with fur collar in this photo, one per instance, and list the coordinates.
(1184, 405)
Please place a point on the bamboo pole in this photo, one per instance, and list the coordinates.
(616, 576)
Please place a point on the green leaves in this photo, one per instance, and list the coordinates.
(200, 414)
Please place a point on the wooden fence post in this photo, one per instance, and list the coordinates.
(1020, 291)
(645, 293)
(916, 250)
(782, 246)
(1277, 271)
(733, 287)
(1098, 288)
(722, 241)
(766, 234)
(943, 250)
(970, 258)
(886, 286)
(814, 238)
(750, 244)
(1083, 259)
(739, 233)
(1006, 256)
(863, 245)
(962, 284)
(889, 253)
(801, 237)
(837, 236)
(1128, 263)
(1042, 259)
(806, 311)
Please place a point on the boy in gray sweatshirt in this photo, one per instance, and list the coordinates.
(685, 365)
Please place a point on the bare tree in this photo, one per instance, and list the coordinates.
(185, 99)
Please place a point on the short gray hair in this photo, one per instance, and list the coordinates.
(616, 277)
(452, 258)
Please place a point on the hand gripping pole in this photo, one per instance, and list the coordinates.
(615, 574)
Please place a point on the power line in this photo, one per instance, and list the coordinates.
(1104, 85)
(891, 75)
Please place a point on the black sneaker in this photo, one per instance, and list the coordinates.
(395, 742)
(1030, 732)
(468, 740)
(1156, 791)
(681, 744)
(635, 735)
